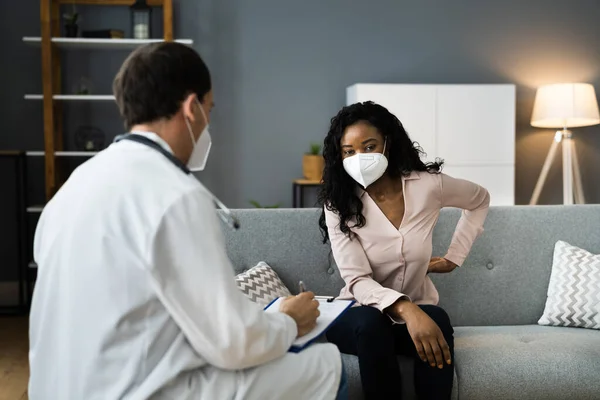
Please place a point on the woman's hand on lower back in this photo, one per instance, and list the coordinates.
(440, 265)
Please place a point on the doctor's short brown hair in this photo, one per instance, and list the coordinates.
(155, 79)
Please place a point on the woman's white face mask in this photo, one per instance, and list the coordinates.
(366, 168)
(201, 150)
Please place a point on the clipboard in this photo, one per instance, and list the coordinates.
(330, 310)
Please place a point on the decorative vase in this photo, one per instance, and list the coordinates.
(312, 167)
(141, 20)
(71, 30)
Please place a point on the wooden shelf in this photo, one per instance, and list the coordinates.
(63, 153)
(95, 44)
(52, 47)
(35, 209)
(73, 97)
(10, 153)
(153, 3)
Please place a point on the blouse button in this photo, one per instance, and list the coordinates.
(330, 271)
(490, 265)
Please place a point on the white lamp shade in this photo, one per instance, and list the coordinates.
(565, 105)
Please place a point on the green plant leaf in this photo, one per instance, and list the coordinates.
(315, 149)
(71, 18)
(255, 203)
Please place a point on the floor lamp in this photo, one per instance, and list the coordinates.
(564, 105)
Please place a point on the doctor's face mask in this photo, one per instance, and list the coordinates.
(201, 149)
(363, 154)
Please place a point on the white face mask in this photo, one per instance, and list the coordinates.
(201, 149)
(366, 168)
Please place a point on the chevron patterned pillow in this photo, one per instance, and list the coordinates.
(574, 289)
(261, 284)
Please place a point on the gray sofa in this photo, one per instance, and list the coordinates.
(494, 300)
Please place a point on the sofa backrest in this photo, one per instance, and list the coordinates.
(503, 281)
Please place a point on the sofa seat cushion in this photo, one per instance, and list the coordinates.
(406, 369)
(537, 362)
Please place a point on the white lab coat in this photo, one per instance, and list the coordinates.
(136, 298)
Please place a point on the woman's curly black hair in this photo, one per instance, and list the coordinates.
(339, 191)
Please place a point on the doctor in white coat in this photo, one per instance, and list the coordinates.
(135, 297)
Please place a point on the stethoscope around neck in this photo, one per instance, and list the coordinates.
(226, 215)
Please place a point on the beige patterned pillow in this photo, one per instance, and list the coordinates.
(574, 289)
(261, 284)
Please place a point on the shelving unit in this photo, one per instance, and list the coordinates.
(35, 209)
(18, 158)
(51, 44)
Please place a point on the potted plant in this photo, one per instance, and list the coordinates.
(83, 87)
(71, 27)
(313, 163)
(256, 204)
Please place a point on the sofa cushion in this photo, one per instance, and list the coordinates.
(261, 284)
(406, 369)
(574, 289)
(537, 362)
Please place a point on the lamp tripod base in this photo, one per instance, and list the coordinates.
(572, 187)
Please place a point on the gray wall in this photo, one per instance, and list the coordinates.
(280, 70)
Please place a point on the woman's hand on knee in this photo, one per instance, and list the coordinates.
(427, 336)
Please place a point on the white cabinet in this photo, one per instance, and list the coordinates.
(471, 127)
(413, 107)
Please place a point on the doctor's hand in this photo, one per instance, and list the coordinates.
(440, 265)
(304, 309)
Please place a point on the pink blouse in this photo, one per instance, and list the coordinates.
(383, 264)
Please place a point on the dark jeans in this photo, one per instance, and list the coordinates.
(370, 335)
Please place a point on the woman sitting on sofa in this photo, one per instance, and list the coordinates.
(381, 203)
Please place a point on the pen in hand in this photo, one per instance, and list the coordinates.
(302, 287)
